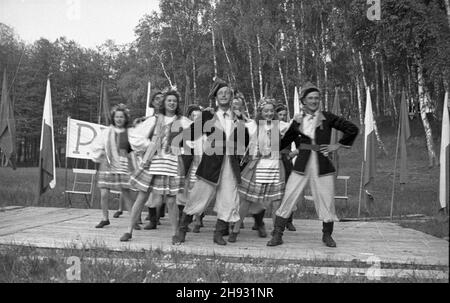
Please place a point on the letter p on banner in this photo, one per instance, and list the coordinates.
(73, 273)
(374, 11)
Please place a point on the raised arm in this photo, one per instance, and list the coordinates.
(139, 136)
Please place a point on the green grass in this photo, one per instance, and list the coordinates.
(20, 264)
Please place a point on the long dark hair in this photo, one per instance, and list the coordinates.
(178, 111)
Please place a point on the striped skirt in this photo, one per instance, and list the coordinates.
(252, 190)
(162, 177)
(115, 179)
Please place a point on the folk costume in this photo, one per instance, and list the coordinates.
(112, 150)
(162, 171)
(263, 178)
(313, 167)
(218, 173)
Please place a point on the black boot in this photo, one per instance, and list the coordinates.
(259, 221)
(327, 231)
(148, 216)
(180, 214)
(153, 216)
(201, 219)
(255, 226)
(182, 229)
(221, 228)
(289, 225)
(277, 237)
(162, 210)
(226, 232)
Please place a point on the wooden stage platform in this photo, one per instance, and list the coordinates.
(357, 241)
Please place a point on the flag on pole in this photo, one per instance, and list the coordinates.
(369, 144)
(405, 134)
(335, 134)
(444, 176)
(297, 104)
(7, 125)
(104, 106)
(47, 169)
(148, 110)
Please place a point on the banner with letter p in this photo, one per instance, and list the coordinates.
(80, 136)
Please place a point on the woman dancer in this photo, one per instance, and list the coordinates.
(263, 179)
(162, 170)
(112, 150)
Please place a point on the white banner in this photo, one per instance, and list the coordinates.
(80, 136)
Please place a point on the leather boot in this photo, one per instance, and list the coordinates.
(201, 219)
(233, 237)
(327, 231)
(277, 237)
(259, 221)
(153, 216)
(255, 226)
(180, 214)
(289, 225)
(221, 228)
(162, 210)
(182, 229)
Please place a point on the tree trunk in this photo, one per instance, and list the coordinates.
(297, 46)
(229, 62)
(409, 91)
(284, 89)
(383, 82)
(194, 78)
(393, 108)
(360, 102)
(377, 90)
(165, 71)
(324, 61)
(302, 38)
(252, 80)
(447, 6)
(424, 104)
(261, 93)
(214, 51)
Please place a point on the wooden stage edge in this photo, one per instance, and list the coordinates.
(63, 228)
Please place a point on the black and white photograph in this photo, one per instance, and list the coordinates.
(206, 143)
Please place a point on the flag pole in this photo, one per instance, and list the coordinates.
(395, 170)
(65, 156)
(360, 189)
(100, 106)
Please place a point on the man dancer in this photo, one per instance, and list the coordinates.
(286, 156)
(311, 132)
(218, 172)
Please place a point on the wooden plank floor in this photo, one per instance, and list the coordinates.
(357, 241)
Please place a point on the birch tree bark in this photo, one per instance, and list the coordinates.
(297, 45)
(229, 61)
(447, 6)
(284, 88)
(424, 102)
(252, 80)
(261, 92)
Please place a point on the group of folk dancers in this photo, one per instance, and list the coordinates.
(232, 163)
